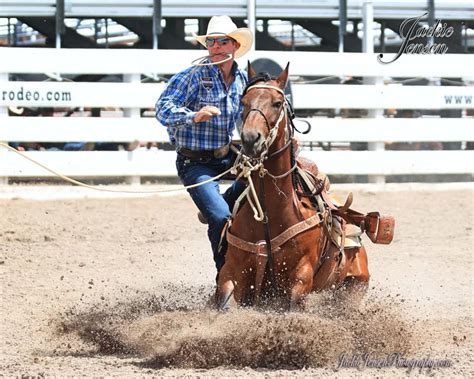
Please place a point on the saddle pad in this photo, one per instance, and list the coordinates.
(352, 234)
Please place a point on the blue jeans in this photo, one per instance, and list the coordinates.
(215, 207)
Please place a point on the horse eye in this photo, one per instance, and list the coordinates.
(277, 104)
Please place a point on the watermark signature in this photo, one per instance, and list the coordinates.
(410, 29)
(363, 361)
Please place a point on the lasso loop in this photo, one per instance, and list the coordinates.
(202, 61)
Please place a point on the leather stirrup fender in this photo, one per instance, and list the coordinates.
(380, 229)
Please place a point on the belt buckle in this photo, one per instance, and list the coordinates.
(261, 248)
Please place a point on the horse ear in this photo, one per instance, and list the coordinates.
(283, 77)
(250, 71)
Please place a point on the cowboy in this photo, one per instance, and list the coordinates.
(200, 108)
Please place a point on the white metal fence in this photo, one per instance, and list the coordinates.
(132, 94)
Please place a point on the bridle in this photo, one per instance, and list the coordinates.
(246, 165)
(272, 130)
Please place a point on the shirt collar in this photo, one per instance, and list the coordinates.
(213, 69)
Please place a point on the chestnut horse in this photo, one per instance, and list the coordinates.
(279, 243)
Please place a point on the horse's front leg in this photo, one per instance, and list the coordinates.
(302, 282)
(225, 291)
(236, 280)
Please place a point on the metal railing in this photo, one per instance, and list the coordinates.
(328, 9)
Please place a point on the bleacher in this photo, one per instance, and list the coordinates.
(312, 18)
(272, 9)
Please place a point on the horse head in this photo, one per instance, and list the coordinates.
(264, 116)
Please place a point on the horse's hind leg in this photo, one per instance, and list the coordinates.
(356, 282)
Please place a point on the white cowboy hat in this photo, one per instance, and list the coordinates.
(224, 26)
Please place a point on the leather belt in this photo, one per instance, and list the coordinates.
(196, 153)
(221, 152)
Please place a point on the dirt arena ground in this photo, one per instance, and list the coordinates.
(120, 287)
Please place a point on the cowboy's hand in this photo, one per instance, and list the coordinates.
(205, 113)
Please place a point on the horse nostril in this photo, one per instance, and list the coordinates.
(251, 141)
(250, 137)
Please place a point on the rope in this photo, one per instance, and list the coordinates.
(97, 188)
(202, 61)
(246, 173)
(282, 175)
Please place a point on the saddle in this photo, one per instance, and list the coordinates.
(347, 224)
(344, 225)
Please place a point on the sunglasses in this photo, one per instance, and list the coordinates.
(220, 41)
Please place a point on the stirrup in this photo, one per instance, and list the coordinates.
(201, 218)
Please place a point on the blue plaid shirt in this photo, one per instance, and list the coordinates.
(189, 91)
